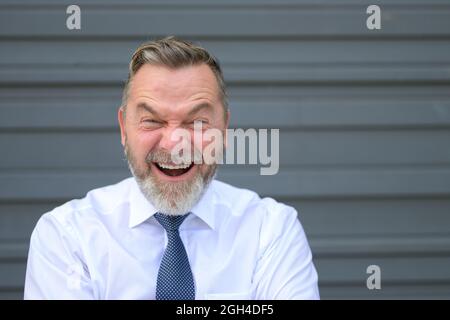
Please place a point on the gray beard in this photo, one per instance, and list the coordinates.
(171, 198)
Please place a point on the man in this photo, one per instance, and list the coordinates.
(171, 231)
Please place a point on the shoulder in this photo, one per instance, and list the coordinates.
(242, 201)
(95, 204)
(273, 222)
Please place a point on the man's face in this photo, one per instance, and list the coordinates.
(160, 101)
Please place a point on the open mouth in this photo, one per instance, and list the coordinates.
(173, 170)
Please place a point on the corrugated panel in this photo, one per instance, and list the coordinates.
(364, 119)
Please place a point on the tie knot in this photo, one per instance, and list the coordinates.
(168, 222)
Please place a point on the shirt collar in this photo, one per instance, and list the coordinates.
(141, 209)
(205, 207)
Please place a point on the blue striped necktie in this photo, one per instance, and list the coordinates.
(175, 280)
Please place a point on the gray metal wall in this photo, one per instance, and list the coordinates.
(364, 118)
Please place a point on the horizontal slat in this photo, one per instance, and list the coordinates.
(216, 4)
(297, 148)
(288, 183)
(342, 291)
(14, 251)
(323, 248)
(347, 183)
(32, 189)
(15, 271)
(281, 107)
(116, 53)
(365, 246)
(15, 293)
(309, 19)
(17, 221)
(326, 222)
(414, 290)
(341, 114)
(396, 271)
(62, 150)
(59, 115)
(325, 218)
(239, 74)
(301, 93)
(102, 114)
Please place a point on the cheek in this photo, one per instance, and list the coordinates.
(143, 143)
(200, 142)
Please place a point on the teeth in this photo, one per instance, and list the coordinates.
(167, 166)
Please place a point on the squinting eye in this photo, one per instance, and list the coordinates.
(151, 122)
(202, 121)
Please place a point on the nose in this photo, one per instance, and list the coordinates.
(173, 137)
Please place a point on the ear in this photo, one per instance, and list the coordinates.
(227, 123)
(121, 118)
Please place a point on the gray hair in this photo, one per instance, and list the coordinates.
(174, 53)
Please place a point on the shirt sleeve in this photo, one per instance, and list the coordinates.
(55, 269)
(285, 269)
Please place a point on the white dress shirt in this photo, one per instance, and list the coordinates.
(109, 245)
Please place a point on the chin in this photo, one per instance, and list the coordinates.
(173, 197)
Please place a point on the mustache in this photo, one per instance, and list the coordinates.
(158, 156)
(163, 156)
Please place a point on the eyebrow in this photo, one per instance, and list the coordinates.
(146, 107)
(199, 107)
(193, 111)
